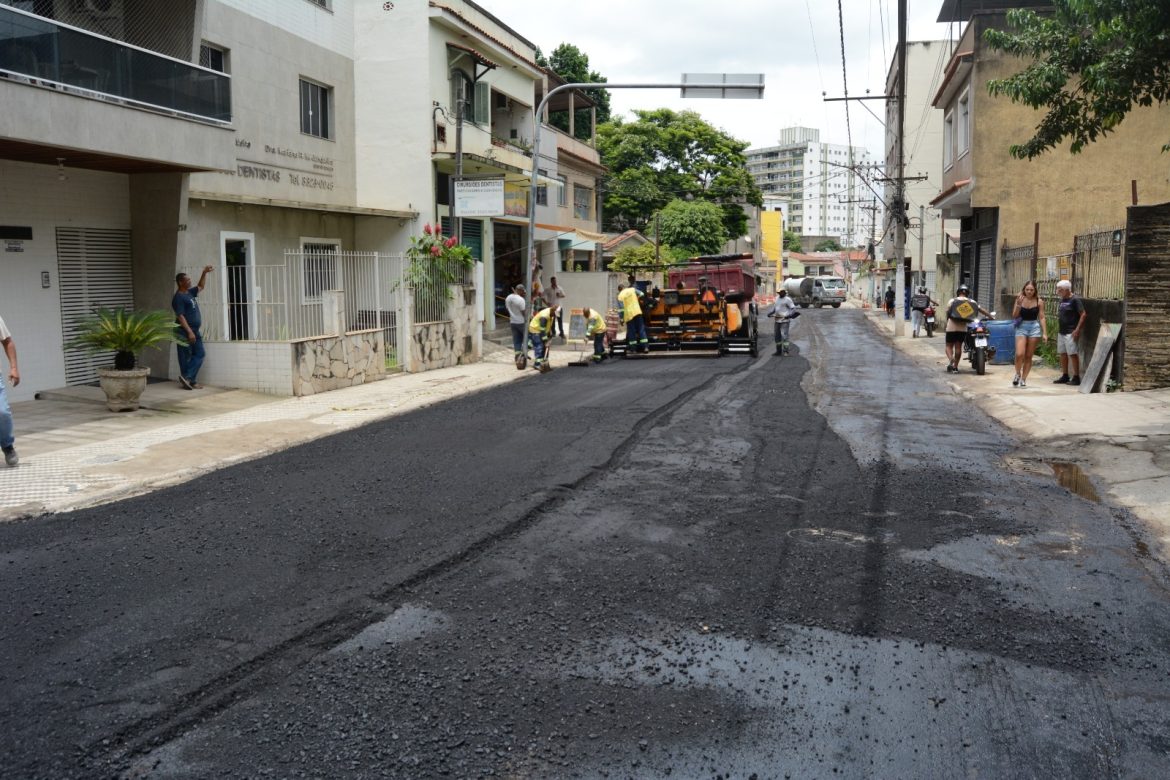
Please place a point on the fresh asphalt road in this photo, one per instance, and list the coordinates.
(814, 566)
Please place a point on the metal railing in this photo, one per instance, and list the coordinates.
(1098, 264)
(430, 287)
(46, 51)
(1018, 268)
(286, 302)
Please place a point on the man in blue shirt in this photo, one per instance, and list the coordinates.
(188, 319)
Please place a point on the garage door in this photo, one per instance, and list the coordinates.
(94, 269)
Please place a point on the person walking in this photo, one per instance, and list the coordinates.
(556, 299)
(189, 320)
(7, 429)
(595, 331)
(783, 312)
(1031, 328)
(960, 310)
(516, 306)
(631, 305)
(540, 331)
(1071, 319)
(890, 301)
(918, 303)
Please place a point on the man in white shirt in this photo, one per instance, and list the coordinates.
(556, 299)
(517, 321)
(783, 310)
(7, 438)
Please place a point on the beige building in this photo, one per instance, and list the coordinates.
(1004, 201)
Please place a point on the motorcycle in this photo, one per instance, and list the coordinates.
(977, 345)
(928, 320)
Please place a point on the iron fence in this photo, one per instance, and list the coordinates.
(1019, 266)
(430, 284)
(286, 302)
(1098, 264)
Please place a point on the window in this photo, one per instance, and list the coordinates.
(963, 126)
(323, 3)
(541, 188)
(213, 57)
(319, 271)
(562, 190)
(948, 140)
(315, 109)
(582, 201)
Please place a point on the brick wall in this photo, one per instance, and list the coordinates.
(1147, 294)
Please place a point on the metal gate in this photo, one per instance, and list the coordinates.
(94, 271)
(985, 273)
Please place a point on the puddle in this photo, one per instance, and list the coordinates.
(1070, 476)
(843, 537)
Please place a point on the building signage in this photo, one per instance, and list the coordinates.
(13, 246)
(516, 200)
(479, 197)
(302, 170)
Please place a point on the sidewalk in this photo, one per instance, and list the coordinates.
(1121, 439)
(75, 453)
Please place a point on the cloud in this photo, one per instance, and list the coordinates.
(795, 43)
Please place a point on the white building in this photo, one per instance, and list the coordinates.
(822, 182)
(267, 140)
(926, 237)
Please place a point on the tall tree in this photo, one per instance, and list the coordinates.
(664, 155)
(692, 227)
(792, 241)
(572, 64)
(1093, 61)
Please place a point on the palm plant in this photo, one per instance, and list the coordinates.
(125, 332)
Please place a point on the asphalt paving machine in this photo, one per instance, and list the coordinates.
(707, 307)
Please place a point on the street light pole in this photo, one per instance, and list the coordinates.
(900, 191)
(699, 85)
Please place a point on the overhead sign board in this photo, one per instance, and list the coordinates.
(479, 197)
(723, 85)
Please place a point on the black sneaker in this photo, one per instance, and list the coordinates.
(186, 383)
(1076, 380)
(1063, 380)
(10, 456)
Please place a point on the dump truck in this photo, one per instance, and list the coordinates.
(707, 306)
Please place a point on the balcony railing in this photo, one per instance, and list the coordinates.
(46, 51)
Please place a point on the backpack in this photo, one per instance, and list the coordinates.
(962, 309)
(919, 301)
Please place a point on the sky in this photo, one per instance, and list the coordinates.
(796, 44)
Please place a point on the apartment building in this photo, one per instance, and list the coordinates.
(822, 183)
(283, 143)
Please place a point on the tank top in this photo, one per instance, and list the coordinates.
(1029, 314)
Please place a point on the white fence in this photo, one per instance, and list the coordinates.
(285, 302)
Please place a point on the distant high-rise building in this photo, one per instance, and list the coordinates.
(822, 182)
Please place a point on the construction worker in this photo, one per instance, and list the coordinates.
(540, 332)
(595, 330)
(631, 302)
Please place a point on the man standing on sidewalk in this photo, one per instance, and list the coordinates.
(556, 299)
(516, 305)
(189, 320)
(7, 439)
(1071, 318)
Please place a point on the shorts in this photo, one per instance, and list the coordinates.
(1029, 329)
(1066, 344)
(956, 336)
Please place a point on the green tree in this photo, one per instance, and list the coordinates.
(645, 257)
(664, 155)
(792, 241)
(828, 245)
(692, 227)
(572, 64)
(1093, 61)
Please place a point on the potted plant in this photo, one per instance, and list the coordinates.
(125, 333)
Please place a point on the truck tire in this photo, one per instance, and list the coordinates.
(804, 305)
(836, 306)
(818, 304)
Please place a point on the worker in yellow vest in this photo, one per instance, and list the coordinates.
(540, 332)
(630, 298)
(595, 330)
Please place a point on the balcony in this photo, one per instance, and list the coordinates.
(57, 55)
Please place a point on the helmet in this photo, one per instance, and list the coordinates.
(921, 290)
(964, 288)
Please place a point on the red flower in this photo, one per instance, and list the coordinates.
(450, 242)
(436, 250)
(427, 228)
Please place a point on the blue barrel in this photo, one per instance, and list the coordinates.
(1001, 334)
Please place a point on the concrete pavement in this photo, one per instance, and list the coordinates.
(1120, 440)
(75, 453)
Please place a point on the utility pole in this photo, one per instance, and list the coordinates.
(900, 187)
(921, 238)
(457, 222)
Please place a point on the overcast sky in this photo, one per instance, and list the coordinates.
(795, 43)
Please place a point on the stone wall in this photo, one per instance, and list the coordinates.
(332, 362)
(1147, 290)
(444, 344)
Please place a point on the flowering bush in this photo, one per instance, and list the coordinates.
(436, 263)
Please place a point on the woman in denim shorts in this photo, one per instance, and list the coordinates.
(1031, 328)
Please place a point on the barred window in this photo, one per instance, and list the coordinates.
(319, 270)
(315, 109)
